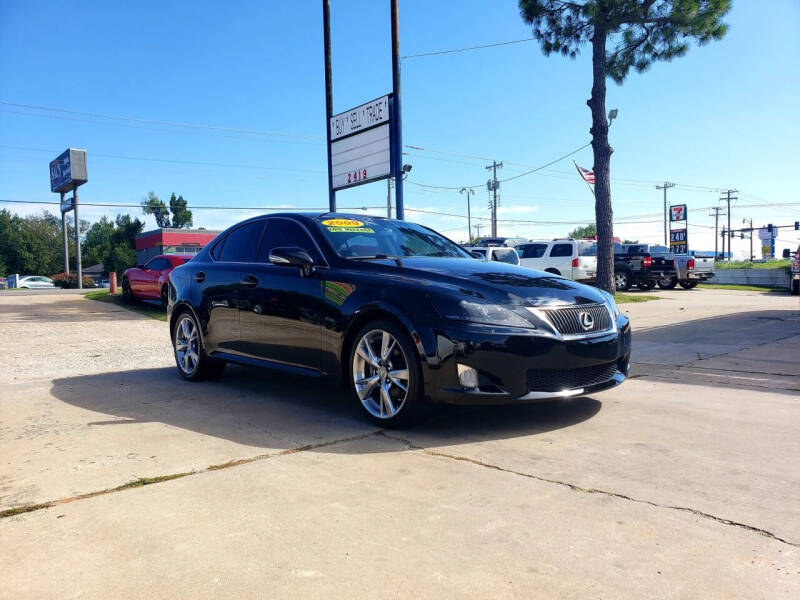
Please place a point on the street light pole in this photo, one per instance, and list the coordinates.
(665, 187)
(468, 192)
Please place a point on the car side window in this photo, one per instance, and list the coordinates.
(282, 233)
(533, 250)
(241, 243)
(157, 264)
(560, 250)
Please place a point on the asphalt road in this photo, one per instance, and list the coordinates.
(682, 483)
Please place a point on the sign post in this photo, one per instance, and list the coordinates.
(67, 172)
(678, 238)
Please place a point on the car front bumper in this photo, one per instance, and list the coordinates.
(523, 367)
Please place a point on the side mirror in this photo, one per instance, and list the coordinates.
(140, 266)
(292, 257)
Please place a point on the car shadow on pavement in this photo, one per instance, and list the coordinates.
(264, 409)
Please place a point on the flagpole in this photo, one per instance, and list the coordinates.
(589, 185)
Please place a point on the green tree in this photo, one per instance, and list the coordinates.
(156, 207)
(639, 33)
(181, 216)
(113, 243)
(584, 232)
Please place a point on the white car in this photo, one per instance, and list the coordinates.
(33, 282)
(494, 253)
(573, 259)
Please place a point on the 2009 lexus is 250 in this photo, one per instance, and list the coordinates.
(398, 312)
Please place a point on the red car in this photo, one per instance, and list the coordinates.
(149, 282)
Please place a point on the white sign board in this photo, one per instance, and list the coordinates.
(360, 118)
(361, 158)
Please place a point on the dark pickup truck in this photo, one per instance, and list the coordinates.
(634, 265)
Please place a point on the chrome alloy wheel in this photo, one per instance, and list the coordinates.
(620, 280)
(187, 345)
(380, 373)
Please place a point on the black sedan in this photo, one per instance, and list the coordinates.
(400, 313)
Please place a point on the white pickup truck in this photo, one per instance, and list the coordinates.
(690, 270)
(794, 274)
(573, 259)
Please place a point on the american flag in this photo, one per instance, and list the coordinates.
(587, 174)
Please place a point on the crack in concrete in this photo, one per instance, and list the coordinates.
(577, 488)
(143, 481)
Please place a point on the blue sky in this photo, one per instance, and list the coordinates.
(723, 116)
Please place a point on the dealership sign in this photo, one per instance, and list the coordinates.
(67, 204)
(68, 170)
(361, 144)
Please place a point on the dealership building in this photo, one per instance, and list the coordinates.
(171, 241)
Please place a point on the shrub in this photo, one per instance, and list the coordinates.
(64, 281)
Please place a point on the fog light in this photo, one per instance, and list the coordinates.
(467, 376)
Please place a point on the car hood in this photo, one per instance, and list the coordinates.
(491, 281)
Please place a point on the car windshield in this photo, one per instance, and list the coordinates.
(365, 237)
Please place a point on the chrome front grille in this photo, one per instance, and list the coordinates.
(580, 320)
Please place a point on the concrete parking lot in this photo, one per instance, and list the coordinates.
(682, 483)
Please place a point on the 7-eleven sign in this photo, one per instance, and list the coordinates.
(677, 212)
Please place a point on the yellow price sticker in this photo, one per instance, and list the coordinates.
(342, 223)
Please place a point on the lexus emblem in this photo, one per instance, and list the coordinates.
(587, 321)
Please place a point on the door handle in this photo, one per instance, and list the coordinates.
(200, 277)
(249, 281)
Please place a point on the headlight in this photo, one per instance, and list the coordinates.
(611, 303)
(477, 312)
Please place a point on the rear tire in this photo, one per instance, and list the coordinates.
(623, 279)
(668, 283)
(190, 356)
(385, 376)
(795, 287)
(688, 285)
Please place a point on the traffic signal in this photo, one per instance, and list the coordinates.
(769, 228)
(797, 225)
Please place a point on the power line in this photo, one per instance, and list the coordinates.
(194, 206)
(468, 49)
(164, 123)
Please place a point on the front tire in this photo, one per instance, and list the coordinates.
(794, 287)
(688, 285)
(190, 357)
(385, 375)
(127, 293)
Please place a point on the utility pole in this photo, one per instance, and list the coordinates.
(716, 210)
(665, 187)
(728, 197)
(468, 192)
(492, 186)
(478, 230)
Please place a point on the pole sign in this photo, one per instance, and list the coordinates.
(677, 212)
(68, 170)
(67, 204)
(678, 238)
(361, 144)
(767, 238)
